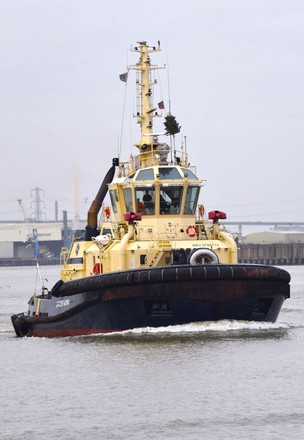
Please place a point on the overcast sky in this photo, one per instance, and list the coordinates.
(236, 70)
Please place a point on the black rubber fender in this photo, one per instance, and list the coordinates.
(56, 287)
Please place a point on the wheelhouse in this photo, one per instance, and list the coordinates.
(156, 191)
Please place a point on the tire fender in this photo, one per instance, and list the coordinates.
(203, 256)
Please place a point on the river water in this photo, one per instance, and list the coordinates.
(221, 380)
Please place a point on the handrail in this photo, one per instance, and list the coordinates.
(157, 245)
(152, 158)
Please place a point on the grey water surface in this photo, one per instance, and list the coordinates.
(221, 380)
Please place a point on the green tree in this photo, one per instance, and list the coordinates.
(171, 125)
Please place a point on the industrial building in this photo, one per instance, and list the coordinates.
(276, 236)
(22, 243)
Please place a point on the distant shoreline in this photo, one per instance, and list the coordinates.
(277, 254)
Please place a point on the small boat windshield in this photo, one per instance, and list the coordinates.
(170, 199)
(169, 173)
(128, 199)
(114, 199)
(189, 174)
(167, 199)
(147, 174)
(145, 200)
(191, 199)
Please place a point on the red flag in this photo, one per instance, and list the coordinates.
(161, 105)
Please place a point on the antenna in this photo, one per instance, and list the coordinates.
(168, 78)
(169, 101)
(123, 116)
(75, 193)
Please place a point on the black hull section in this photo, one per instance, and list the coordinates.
(160, 297)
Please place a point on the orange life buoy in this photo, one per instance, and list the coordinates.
(191, 231)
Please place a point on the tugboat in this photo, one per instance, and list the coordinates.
(153, 258)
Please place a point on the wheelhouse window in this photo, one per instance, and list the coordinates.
(114, 199)
(145, 200)
(147, 174)
(170, 199)
(189, 174)
(129, 178)
(191, 199)
(128, 199)
(169, 173)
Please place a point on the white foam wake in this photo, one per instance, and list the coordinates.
(201, 327)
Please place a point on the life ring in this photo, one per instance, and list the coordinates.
(191, 231)
(202, 256)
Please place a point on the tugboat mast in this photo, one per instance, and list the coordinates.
(145, 110)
